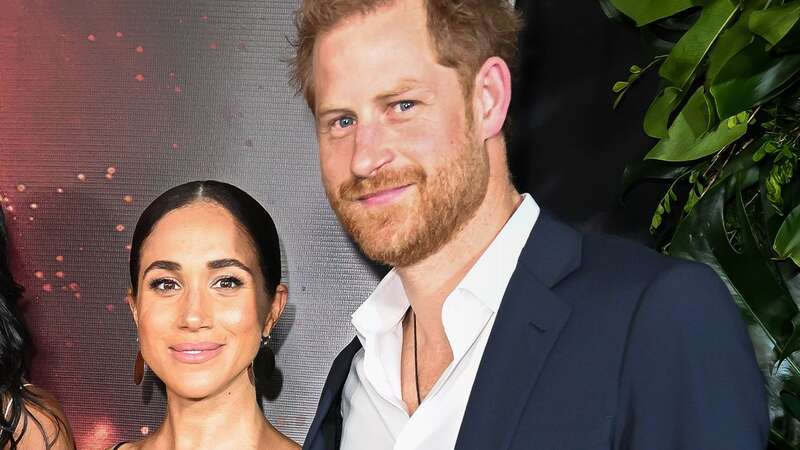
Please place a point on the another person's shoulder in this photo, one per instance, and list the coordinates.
(126, 446)
(46, 426)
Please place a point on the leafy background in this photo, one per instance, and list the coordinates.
(726, 120)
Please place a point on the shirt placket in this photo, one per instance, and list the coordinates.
(427, 419)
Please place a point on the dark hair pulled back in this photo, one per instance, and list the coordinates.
(251, 216)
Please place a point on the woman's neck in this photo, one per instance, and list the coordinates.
(228, 419)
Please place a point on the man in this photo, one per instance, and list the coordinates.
(499, 327)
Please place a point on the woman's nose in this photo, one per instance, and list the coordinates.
(194, 313)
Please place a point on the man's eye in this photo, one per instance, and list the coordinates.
(344, 122)
(164, 285)
(227, 283)
(404, 105)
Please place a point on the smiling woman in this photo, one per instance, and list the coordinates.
(205, 276)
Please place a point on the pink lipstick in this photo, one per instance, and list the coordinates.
(195, 352)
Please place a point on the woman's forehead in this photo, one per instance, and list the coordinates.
(197, 233)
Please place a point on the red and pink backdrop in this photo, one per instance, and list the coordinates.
(105, 104)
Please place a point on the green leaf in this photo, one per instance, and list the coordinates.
(775, 23)
(644, 12)
(750, 276)
(787, 242)
(790, 43)
(687, 138)
(649, 170)
(711, 143)
(743, 116)
(771, 217)
(679, 69)
(656, 120)
(613, 13)
(774, 193)
(731, 42)
(691, 202)
(619, 86)
(686, 129)
(656, 222)
(752, 77)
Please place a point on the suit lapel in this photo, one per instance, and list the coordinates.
(325, 430)
(527, 326)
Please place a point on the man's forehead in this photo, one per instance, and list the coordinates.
(367, 52)
(388, 11)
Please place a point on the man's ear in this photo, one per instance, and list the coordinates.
(492, 97)
(276, 308)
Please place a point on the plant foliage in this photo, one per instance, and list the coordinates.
(727, 124)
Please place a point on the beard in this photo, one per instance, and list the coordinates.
(436, 208)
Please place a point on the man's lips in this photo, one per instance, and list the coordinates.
(195, 352)
(383, 196)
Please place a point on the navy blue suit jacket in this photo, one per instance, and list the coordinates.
(601, 344)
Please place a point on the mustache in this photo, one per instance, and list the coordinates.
(358, 188)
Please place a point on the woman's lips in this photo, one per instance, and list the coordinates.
(384, 196)
(195, 353)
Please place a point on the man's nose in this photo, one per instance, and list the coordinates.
(372, 151)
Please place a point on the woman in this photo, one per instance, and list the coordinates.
(205, 274)
(30, 418)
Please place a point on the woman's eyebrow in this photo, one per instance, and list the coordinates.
(228, 262)
(160, 264)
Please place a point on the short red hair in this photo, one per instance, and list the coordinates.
(465, 33)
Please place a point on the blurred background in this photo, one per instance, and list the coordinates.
(105, 104)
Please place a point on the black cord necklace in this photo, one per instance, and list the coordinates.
(416, 363)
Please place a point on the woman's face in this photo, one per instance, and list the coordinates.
(201, 306)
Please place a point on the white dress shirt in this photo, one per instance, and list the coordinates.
(374, 414)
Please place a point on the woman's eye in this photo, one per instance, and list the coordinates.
(227, 283)
(164, 285)
(404, 105)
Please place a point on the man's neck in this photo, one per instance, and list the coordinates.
(228, 419)
(426, 350)
(428, 283)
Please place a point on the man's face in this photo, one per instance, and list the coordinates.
(401, 166)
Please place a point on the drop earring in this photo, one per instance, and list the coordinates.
(138, 367)
(264, 364)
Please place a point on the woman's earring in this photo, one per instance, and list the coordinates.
(138, 368)
(264, 363)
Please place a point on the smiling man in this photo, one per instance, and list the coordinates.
(499, 327)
